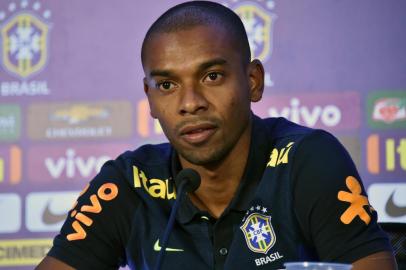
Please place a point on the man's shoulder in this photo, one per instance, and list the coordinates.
(152, 160)
(283, 132)
(280, 128)
(148, 155)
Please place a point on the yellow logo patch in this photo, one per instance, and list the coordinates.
(281, 156)
(157, 188)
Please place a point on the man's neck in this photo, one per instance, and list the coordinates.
(220, 183)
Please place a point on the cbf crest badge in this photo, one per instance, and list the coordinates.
(258, 232)
(258, 23)
(24, 40)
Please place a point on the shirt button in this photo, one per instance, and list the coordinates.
(223, 251)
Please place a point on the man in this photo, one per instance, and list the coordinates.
(271, 191)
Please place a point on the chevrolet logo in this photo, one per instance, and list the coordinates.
(79, 113)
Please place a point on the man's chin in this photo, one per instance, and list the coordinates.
(203, 157)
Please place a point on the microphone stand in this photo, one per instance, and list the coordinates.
(169, 226)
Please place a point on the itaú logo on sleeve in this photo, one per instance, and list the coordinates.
(334, 111)
(68, 163)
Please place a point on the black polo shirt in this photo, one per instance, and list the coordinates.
(300, 198)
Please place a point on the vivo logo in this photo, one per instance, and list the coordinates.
(70, 165)
(331, 111)
(329, 115)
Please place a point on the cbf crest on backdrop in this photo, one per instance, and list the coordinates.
(71, 97)
(258, 20)
(25, 39)
(25, 30)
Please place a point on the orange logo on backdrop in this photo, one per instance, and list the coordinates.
(144, 127)
(14, 168)
(393, 153)
(356, 200)
(106, 192)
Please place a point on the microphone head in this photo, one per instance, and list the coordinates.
(189, 178)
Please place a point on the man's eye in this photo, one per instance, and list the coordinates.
(165, 85)
(213, 76)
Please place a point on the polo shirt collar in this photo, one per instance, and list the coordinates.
(256, 163)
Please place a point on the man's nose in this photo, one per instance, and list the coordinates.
(192, 101)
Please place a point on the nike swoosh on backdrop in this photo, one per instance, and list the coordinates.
(392, 209)
(50, 218)
(157, 247)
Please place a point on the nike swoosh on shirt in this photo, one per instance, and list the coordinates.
(50, 218)
(392, 209)
(157, 247)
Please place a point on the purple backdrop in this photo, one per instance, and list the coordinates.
(71, 96)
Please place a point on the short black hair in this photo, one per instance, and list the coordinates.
(200, 13)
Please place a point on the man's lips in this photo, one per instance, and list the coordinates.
(197, 133)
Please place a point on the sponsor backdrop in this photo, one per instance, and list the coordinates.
(71, 96)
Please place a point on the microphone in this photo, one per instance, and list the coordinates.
(188, 180)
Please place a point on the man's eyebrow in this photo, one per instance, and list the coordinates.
(202, 66)
(158, 72)
(213, 62)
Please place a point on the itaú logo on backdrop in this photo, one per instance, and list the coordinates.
(10, 165)
(146, 125)
(386, 154)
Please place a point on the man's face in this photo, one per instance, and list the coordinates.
(200, 91)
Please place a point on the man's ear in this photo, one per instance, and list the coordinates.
(256, 80)
(146, 87)
(147, 93)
